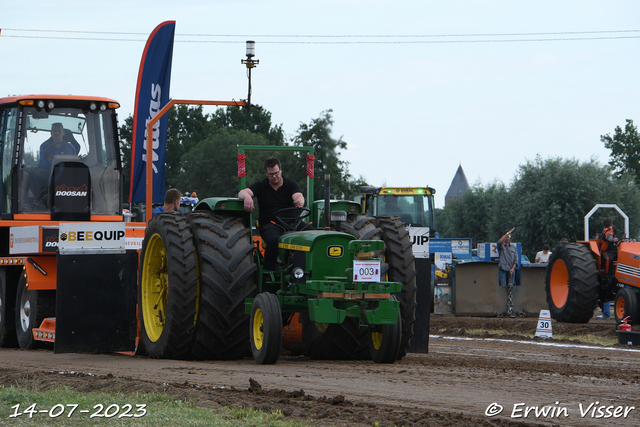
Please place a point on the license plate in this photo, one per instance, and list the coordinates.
(366, 271)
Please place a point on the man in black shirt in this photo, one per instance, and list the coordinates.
(275, 192)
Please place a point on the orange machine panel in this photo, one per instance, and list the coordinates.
(628, 270)
(41, 272)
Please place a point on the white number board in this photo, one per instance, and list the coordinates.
(366, 271)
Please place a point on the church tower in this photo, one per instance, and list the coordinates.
(458, 186)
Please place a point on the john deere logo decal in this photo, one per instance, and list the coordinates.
(335, 251)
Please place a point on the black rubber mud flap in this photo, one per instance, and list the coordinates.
(96, 303)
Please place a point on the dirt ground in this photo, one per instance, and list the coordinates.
(465, 379)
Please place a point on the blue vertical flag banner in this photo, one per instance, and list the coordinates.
(152, 93)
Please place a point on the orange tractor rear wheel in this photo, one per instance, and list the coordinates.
(571, 283)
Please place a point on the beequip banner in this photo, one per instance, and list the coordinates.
(152, 93)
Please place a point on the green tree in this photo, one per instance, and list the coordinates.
(189, 127)
(546, 201)
(211, 167)
(481, 214)
(327, 158)
(126, 130)
(186, 127)
(254, 120)
(553, 196)
(625, 150)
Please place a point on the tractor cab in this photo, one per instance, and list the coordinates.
(60, 157)
(414, 205)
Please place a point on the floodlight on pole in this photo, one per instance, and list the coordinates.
(250, 63)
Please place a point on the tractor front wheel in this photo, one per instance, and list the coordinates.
(384, 341)
(265, 330)
(32, 307)
(626, 305)
(571, 283)
(168, 287)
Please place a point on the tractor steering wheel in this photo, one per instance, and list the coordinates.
(301, 213)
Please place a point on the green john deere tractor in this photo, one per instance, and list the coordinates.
(203, 293)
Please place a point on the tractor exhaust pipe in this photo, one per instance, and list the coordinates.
(327, 208)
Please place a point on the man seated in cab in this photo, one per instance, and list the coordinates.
(275, 192)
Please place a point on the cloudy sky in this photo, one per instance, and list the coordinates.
(417, 88)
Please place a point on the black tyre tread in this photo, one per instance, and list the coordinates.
(391, 340)
(583, 283)
(227, 278)
(177, 337)
(339, 342)
(346, 341)
(45, 304)
(399, 257)
(630, 306)
(8, 336)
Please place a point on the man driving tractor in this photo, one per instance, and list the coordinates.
(274, 193)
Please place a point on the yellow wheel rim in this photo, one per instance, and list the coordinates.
(322, 327)
(376, 339)
(154, 288)
(258, 334)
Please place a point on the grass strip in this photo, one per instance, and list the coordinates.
(64, 407)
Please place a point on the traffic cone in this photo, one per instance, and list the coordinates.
(544, 325)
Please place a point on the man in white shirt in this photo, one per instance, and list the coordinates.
(542, 257)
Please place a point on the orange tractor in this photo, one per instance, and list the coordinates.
(68, 261)
(576, 278)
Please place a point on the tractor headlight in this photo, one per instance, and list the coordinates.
(298, 273)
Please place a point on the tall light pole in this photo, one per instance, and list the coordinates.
(250, 63)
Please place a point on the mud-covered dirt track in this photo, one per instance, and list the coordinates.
(462, 378)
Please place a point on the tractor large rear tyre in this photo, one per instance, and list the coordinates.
(345, 341)
(571, 283)
(626, 305)
(334, 341)
(227, 270)
(168, 287)
(385, 340)
(398, 256)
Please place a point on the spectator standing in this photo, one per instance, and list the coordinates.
(608, 254)
(508, 259)
(171, 202)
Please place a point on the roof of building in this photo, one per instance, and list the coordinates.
(459, 185)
